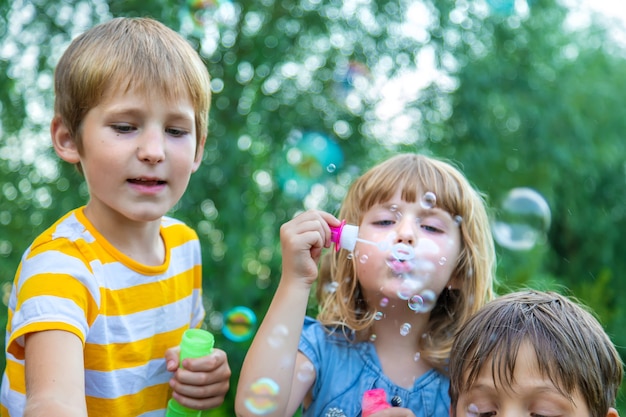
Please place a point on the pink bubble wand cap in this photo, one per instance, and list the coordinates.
(344, 236)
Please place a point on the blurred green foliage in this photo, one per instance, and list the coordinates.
(520, 100)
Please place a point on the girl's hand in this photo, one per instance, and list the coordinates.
(203, 382)
(302, 240)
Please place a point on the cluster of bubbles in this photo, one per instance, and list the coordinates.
(411, 265)
(261, 396)
(310, 158)
(522, 221)
(414, 270)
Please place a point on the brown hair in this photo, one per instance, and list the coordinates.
(475, 267)
(571, 347)
(124, 54)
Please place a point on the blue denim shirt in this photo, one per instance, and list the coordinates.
(345, 370)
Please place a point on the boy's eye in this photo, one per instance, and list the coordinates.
(474, 411)
(176, 132)
(123, 128)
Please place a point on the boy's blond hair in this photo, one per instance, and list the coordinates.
(124, 54)
(475, 268)
(571, 347)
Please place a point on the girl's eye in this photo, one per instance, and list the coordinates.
(431, 229)
(384, 222)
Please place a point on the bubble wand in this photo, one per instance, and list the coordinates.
(346, 235)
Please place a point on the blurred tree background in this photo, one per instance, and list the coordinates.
(310, 93)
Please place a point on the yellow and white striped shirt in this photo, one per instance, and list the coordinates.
(127, 314)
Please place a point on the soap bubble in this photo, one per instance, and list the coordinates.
(402, 252)
(423, 302)
(239, 324)
(306, 372)
(278, 336)
(430, 300)
(416, 302)
(502, 7)
(408, 287)
(429, 200)
(472, 411)
(355, 76)
(523, 219)
(196, 15)
(262, 397)
(331, 287)
(312, 158)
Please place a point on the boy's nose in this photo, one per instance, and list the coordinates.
(151, 147)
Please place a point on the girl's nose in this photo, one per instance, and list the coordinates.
(151, 148)
(406, 231)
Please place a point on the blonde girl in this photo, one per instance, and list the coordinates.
(423, 263)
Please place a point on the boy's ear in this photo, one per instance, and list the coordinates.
(612, 412)
(199, 154)
(63, 142)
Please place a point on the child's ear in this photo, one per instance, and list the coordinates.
(612, 412)
(63, 142)
(199, 154)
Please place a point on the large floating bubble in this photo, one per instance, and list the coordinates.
(502, 7)
(523, 219)
(239, 324)
(313, 158)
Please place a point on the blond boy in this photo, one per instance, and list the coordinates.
(101, 299)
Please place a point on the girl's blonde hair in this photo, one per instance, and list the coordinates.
(344, 307)
(124, 54)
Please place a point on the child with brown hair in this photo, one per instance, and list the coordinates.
(533, 353)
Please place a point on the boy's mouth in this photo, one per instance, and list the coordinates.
(146, 181)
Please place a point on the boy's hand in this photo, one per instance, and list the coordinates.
(302, 240)
(203, 382)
